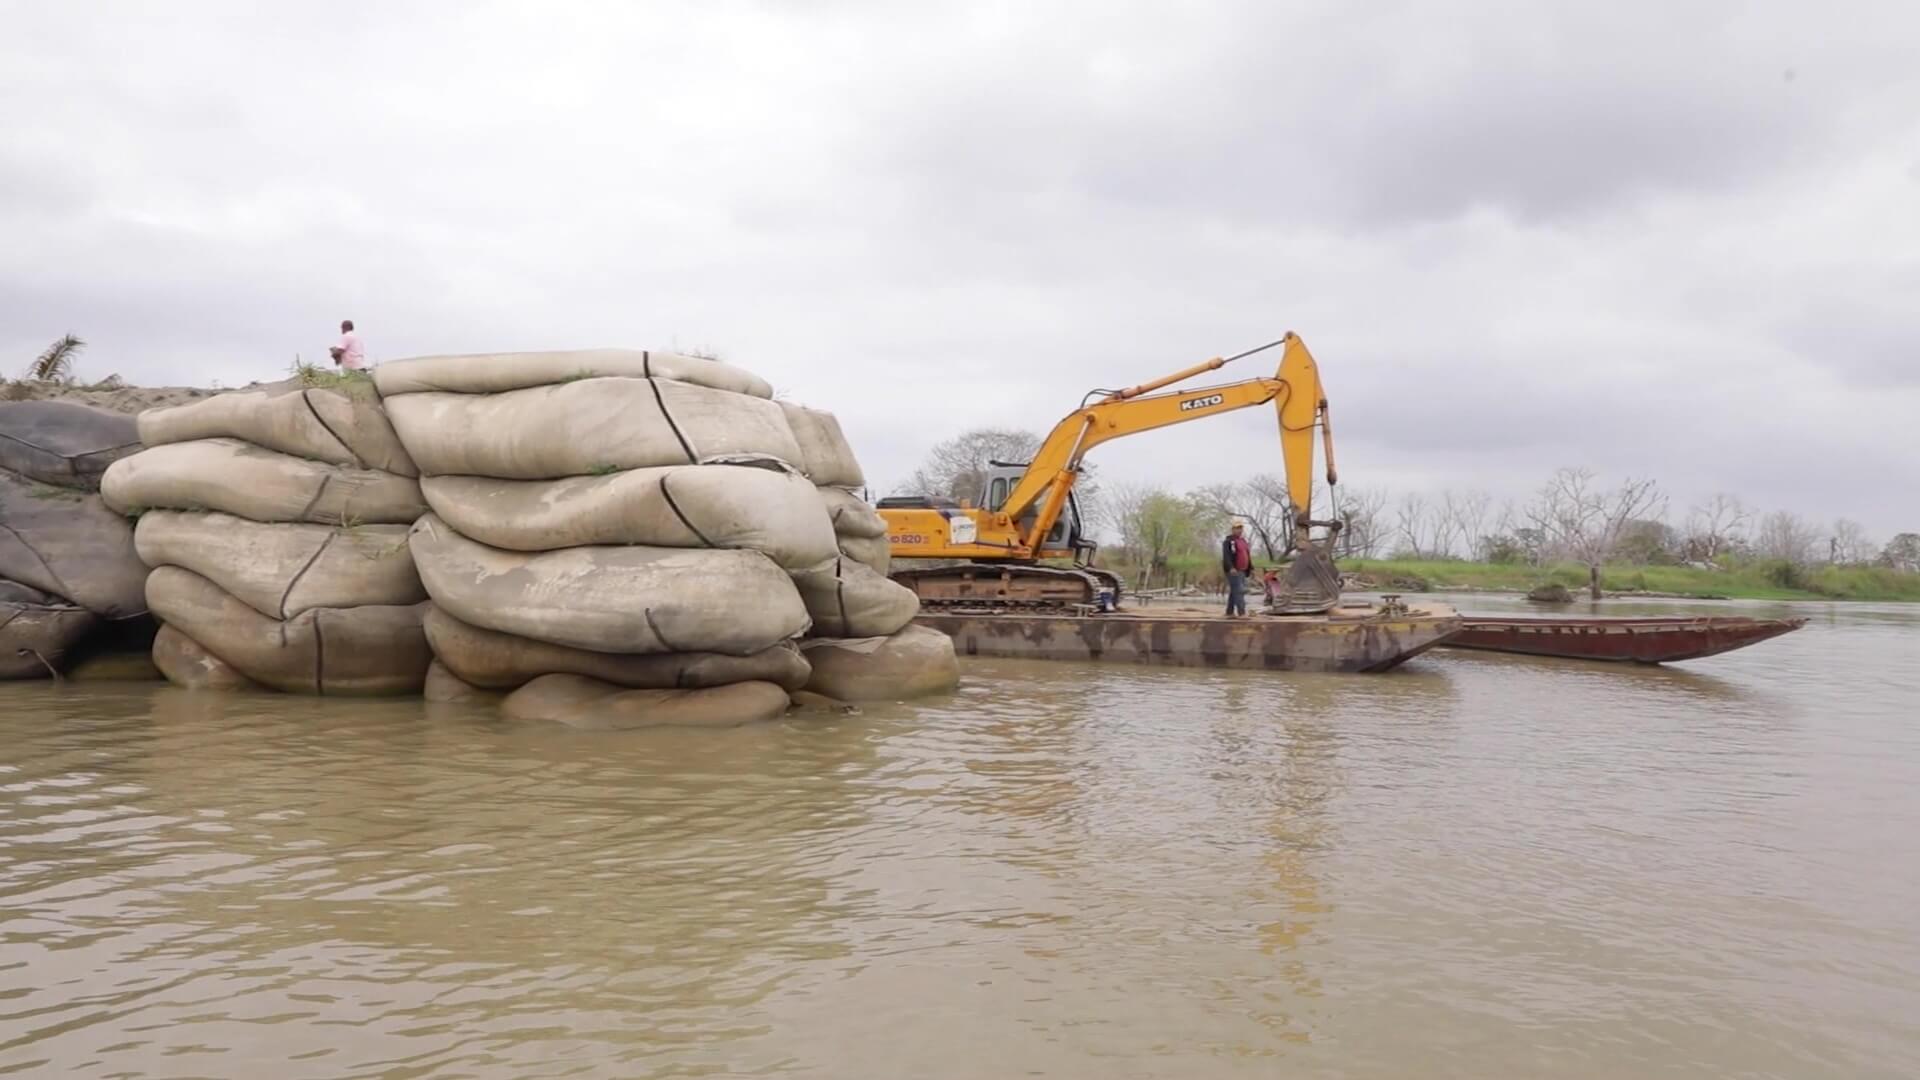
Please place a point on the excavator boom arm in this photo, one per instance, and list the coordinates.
(1294, 389)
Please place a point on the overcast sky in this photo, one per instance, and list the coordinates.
(1678, 239)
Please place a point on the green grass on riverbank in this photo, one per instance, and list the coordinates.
(1753, 581)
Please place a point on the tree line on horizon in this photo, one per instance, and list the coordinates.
(1573, 517)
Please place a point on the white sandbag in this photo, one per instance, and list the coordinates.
(258, 484)
(495, 373)
(443, 687)
(69, 544)
(282, 570)
(358, 651)
(873, 552)
(187, 664)
(323, 425)
(493, 660)
(585, 428)
(586, 703)
(847, 599)
(63, 443)
(770, 510)
(824, 454)
(612, 599)
(851, 515)
(914, 662)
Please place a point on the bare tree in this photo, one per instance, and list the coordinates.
(1850, 545)
(1459, 522)
(1788, 537)
(1364, 512)
(1714, 525)
(1586, 521)
(1475, 511)
(1902, 552)
(1261, 502)
(957, 468)
(1412, 522)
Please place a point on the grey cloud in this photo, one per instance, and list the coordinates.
(1517, 236)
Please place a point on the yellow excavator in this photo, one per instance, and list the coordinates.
(1028, 512)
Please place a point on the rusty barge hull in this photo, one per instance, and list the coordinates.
(1331, 643)
(1641, 641)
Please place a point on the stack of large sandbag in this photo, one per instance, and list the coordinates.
(871, 652)
(624, 538)
(67, 563)
(275, 523)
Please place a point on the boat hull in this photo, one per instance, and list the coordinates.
(1640, 641)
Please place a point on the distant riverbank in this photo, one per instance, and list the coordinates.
(1753, 581)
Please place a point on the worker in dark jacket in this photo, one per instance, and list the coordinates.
(1236, 559)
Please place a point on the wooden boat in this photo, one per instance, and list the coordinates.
(1643, 641)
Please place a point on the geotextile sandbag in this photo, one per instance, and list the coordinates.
(367, 650)
(914, 662)
(37, 639)
(314, 423)
(443, 687)
(824, 454)
(873, 552)
(770, 510)
(69, 544)
(612, 599)
(851, 515)
(252, 482)
(586, 427)
(281, 570)
(847, 599)
(493, 660)
(187, 664)
(62, 443)
(494, 373)
(581, 702)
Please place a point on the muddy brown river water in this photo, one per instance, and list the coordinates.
(1476, 866)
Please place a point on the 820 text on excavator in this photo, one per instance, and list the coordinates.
(1027, 512)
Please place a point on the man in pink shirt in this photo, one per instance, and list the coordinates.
(347, 352)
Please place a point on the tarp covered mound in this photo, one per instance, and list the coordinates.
(63, 444)
(625, 538)
(68, 544)
(68, 569)
(38, 632)
(276, 523)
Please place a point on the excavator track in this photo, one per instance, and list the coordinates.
(1008, 587)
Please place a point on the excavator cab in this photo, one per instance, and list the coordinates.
(1066, 540)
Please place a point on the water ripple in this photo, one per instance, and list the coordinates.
(1477, 866)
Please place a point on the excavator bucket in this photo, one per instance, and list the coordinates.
(1311, 585)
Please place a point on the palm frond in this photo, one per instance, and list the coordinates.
(56, 364)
